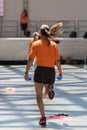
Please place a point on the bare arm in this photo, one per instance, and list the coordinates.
(59, 67)
(29, 64)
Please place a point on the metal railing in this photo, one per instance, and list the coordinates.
(12, 28)
(82, 28)
(32, 27)
(9, 28)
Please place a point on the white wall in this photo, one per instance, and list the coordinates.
(48, 9)
(13, 9)
(74, 48)
(58, 9)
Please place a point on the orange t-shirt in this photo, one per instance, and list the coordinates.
(46, 54)
(23, 19)
(30, 43)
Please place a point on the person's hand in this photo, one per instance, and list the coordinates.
(59, 77)
(26, 76)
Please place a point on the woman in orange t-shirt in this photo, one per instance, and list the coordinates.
(47, 56)
(24, 21)
(36, 37)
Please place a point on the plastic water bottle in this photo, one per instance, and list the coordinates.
(59, 77)
(31, 69)
(29, 78)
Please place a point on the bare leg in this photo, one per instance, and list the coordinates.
(34, 63)
(25, 33)
(46, 90)
(39, 96)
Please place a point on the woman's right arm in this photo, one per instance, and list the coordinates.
(59, 67)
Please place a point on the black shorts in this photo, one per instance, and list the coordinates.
(24, 27)
(44, 75)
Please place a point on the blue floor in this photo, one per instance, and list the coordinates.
(18, 108)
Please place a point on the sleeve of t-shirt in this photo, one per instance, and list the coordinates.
(32, 52)
(57, 54)
(30, 43)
